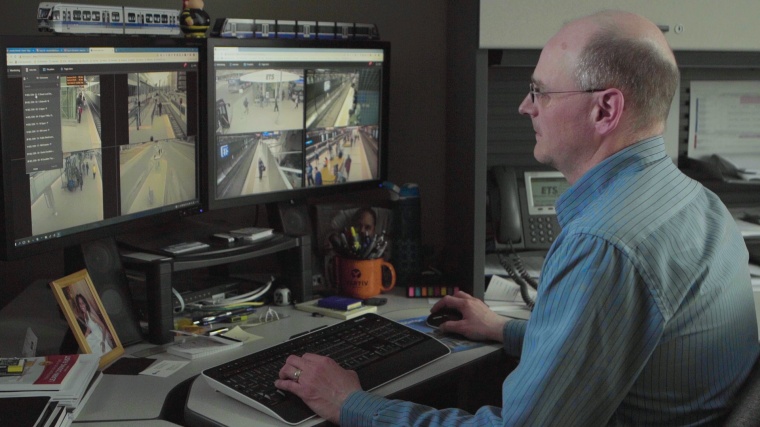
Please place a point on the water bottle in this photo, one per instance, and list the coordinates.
(406, 255)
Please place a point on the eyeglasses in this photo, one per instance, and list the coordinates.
(535, 92)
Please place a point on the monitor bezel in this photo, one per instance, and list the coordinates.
(303, 193)
(108, 227)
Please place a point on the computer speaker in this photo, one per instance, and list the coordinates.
(291, 218)
(101, 258)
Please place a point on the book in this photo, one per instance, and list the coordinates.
(50, 373)
(25, 411)
(252, 233)
(340, 303)
(197, 346)
(313, 307)
(65, 379)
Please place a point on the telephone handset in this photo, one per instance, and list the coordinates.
(524, 217)
(505, 209)
(522, 210)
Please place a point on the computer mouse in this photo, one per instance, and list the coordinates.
(443, 315)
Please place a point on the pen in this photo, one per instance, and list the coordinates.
(221, 316)
(357, 243)
(239, 318)
(370, 247)
(217, 331)
(211, 337)
(211, 318)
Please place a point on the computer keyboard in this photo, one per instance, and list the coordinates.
(378, 349)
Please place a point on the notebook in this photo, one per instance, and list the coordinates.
(313, 307)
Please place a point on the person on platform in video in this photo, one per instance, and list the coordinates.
(194, 21)
(93, 327)
(309, 174)
(644, 314)
(348, 165)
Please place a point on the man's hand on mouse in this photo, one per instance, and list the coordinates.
(478, 321)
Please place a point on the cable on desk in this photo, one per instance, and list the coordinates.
(181, 301)
(241, 299)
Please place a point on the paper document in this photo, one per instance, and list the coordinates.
(503, 297)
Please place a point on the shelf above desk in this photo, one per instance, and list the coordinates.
(142, 254)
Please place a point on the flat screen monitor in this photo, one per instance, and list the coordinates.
(293, 119)
(96, 131)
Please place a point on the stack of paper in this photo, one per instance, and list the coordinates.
(65, 378)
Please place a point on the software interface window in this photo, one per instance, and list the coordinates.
(106, 136)
(289, 118)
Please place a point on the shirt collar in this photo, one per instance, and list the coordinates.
(636, 156)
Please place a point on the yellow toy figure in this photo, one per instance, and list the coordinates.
(194, 21)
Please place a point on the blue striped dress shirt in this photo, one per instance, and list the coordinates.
(644, 316)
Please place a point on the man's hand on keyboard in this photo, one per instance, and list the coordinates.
(320, 382)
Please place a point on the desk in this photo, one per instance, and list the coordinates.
(142, 400)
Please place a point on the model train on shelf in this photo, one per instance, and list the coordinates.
(70, 18)
(290, 29)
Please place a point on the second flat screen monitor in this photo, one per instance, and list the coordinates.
(289, 120)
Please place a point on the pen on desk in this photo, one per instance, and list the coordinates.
(204, 336)
(217, 318)
(238, 318)
(217, 331)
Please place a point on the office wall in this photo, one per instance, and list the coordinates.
(417, 32)
(692, 24)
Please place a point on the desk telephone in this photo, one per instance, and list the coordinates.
(524, 216)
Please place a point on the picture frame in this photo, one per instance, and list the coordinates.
(88, 320)
(332, 218)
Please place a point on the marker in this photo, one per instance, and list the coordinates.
(211, 337)
(221, 316)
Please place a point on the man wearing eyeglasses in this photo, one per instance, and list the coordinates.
(645, 312)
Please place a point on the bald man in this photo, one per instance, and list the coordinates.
(645, 313)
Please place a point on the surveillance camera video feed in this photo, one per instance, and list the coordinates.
(157, 168)
(105, 135)
(289, 118)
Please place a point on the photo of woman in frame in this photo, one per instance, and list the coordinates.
(92, 324)
(86, 316)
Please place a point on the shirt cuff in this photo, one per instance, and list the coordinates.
(514, 333)
(360, 408)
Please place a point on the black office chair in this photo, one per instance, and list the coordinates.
(746, 410)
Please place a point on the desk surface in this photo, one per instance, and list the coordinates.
(139, 397)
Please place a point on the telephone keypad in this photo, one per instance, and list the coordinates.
(541, 229)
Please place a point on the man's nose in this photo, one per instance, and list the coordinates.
(526, 106)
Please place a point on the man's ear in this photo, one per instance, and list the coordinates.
(608, 110)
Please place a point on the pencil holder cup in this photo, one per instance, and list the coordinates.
(362, 278)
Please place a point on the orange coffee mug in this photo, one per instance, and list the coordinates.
(362, 278)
